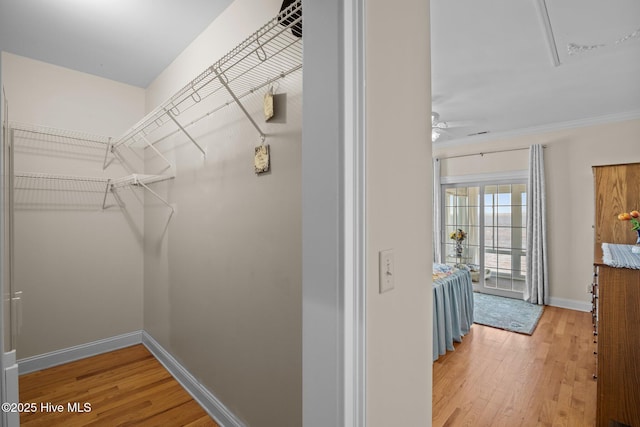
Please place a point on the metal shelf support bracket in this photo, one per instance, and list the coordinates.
(171, 116)
(224, 83)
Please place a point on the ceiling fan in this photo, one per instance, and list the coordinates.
(437, 126)
(440, 127)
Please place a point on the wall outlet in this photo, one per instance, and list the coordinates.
(387, 270)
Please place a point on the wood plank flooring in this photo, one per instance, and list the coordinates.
(498, 378)
(493, 378)
(124, 387)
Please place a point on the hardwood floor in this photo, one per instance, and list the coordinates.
(124, 387)
(493, 378)
(499, 378)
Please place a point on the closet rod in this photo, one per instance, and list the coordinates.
(482, 153)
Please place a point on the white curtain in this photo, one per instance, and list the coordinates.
(537, 285)
(437, 212)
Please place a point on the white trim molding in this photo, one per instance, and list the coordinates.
(571, 304)
(210, 403)
(354, 223)
(535, 130)
(66, 355)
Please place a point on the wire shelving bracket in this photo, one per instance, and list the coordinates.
(138, 180)
(272, 52)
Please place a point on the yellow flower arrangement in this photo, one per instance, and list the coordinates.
(459, 235)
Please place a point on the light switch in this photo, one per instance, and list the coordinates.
(387, 270)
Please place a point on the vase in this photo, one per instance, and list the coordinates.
(459, 248)
(636, 249)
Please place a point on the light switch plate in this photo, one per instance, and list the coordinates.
(387, 270)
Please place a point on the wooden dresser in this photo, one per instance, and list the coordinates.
(616, 297)
(618, 344)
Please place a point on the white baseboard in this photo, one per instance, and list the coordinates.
(204, 397)
(66, 355)
(570, 304)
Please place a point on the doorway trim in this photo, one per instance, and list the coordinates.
(354, 215)
(333, 227)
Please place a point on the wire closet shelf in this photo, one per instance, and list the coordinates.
(87, 184)
(58, 135)
(269, 54)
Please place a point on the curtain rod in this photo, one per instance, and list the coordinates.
(482, 153)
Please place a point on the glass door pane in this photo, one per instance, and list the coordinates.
(505, 237)
(492, 220)
(461, 226)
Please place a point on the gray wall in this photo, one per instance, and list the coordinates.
(399, 213)
(222, 276)
(79, 267)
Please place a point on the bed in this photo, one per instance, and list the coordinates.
(452, 307)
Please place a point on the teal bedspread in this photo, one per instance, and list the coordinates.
(452, 310)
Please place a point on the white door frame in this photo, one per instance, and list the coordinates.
(8, 365)
(333, 255)
(354, 215)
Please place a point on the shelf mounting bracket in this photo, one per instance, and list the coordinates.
(171, 116)
(150, 145)
(224, 83)
(106, 190)
(106, 154)
(156, 195)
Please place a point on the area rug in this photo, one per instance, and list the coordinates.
(506, 313)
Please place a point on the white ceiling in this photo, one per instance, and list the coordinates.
(492, 67)
(130, 41)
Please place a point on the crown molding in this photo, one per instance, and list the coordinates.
(551, 127)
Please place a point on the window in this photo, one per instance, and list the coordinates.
(493, 216)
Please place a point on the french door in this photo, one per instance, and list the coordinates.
(492, 217)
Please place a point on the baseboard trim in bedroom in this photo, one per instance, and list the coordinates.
(71, 354)
(204, 397)
(570, 304)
